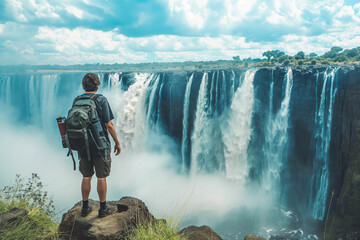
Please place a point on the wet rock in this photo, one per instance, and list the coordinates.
(200, 233)
(119, 225)
(252, 237)
(12, 215)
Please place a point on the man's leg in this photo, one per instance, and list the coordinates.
(102, 168)
(85, 191)
(102, 189)
(85, 188)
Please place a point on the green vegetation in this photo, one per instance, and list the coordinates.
(157, 230)
(39, 223)
(335, 56)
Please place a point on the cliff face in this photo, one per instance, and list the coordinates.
(345, 156)
(315, 140)
(344, 148)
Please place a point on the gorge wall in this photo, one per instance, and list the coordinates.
(291, 133)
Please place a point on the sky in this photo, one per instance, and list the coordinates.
(132, 31)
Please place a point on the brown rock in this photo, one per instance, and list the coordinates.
(119, 225)
(12, 215)
(200, 233)
(252, 237)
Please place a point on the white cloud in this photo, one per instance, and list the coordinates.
(16, 7)
(74, 11)
(200, 30)
(195, 12)
(43, 9)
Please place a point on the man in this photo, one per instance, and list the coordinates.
(98, 160)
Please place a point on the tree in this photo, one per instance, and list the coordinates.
(278, 53)
(283, 58)
(330, 54)
(341, 58)
(236, 58)
(300, 55)
(313, 55)
(336, 49)
(268, 54)
(352, 52)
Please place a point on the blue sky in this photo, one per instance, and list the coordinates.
(132, 31)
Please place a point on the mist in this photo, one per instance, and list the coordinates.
(150, 166)
(149, 175)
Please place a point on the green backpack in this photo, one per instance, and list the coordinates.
(83, 128)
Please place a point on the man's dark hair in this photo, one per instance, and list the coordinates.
(91, 82)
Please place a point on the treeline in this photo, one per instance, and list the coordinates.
(335, 56)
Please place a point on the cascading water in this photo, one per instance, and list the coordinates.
(218, 119)
(184, 140)
(151, 114)
(323, 121)
(131, 114)
(197, 138)
(238, 131)
(277, 136)
(36, 99)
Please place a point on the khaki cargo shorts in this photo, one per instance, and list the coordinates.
(102, 165)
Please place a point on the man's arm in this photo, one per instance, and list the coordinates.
(111, 129)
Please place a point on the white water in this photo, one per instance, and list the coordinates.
(200, 123)
(130, 123)
(320, 178)
(237, 135)
(149, 175)
(150, 110)
(184, 140)
(277, 137)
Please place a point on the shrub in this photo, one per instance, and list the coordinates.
(283, 58)
(341, 58)
(300, 62)
(286, 62)
(39, 223)
(313, 62)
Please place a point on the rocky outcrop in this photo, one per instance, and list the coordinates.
(119, 225)
(200, 233)
(12, 215)
(252, 237)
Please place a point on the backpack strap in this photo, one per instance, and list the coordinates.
(92, 97)
(95, 96)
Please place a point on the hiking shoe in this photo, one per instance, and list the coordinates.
(86, 211)
(107, 211)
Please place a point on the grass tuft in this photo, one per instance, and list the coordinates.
(157, 230)
(39, 223)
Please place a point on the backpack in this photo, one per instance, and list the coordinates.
(83, 127)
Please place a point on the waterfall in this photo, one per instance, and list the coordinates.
(151, 106)
(34, 98)
(277, 136)
(199, 125)
(114, 80)
(184, 140)
(158, 115)
(320, 178)
(131, 114)
(238, 131)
